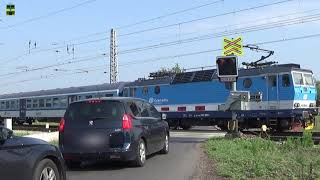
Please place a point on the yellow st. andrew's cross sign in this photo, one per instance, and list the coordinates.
(232, 46)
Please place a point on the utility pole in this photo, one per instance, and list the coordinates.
(113, 58)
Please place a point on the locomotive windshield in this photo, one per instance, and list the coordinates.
(303, 79)
(309, 79)
(298, 79)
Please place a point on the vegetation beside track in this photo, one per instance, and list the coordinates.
(317, 127)
(257, 158)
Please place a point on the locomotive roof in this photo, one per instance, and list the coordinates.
(100, 87)
(211, 74)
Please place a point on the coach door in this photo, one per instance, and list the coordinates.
(23, 109)
(273, 92)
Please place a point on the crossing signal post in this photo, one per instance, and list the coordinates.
(227, 70)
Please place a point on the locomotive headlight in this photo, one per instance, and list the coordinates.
(296, 105)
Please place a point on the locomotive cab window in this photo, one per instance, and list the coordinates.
(286, 80)
(247, 83)
(157, 89)
(145, 90)
(272, 81)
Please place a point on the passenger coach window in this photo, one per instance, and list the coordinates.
(7, 105)
(48, 102)
(35, 103)
(64, 102)
(41, 103)
(12, 105)
(3, 105)
(29, 105)
(298, 79)
(56, 102)
(247, 83)
(285, 80)
(309, 80)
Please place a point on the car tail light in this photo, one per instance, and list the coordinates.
(126, 121)
(61, 125)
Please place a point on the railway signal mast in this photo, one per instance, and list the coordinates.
(227, 70)
(114, 76)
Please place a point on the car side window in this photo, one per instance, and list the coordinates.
(153, 111)
(134, 109)
(143, 109)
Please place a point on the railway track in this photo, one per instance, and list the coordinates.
(41, 128)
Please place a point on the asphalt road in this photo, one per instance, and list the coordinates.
(182, 162)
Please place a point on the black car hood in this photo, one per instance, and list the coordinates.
(30, 141)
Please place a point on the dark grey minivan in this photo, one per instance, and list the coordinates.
(115, 129)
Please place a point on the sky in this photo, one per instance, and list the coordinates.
(57, 25)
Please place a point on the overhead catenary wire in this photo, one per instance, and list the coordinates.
(266, 26)
(205, 18)
(168, 14)
(221, 27)
(214, 50)
(144, 21)
(281, 23)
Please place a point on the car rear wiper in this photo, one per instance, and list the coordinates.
(99, 118)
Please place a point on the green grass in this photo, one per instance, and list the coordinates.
(21, 133)
(56, 143)
(44, 123)
(317, 127)
(264, 159)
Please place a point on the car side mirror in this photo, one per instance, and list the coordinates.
(5, 134)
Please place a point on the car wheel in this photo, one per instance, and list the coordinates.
(46, 170)
(165, 149)
(141, 154)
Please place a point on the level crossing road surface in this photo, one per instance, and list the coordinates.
(182, 162)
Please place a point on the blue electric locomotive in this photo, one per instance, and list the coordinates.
(192, 98)
(189, 98)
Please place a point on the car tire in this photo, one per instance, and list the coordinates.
(46, 168)
(165, 149)
(141, 155)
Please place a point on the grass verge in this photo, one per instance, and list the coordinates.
(56, 143)
(264, 159)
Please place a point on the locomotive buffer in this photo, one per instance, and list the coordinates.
(227, 70)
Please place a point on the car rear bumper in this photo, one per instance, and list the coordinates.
(115, 155)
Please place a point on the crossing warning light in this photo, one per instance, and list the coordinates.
(227, 67)
(10, 10)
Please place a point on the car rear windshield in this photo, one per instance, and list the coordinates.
(95, 110)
